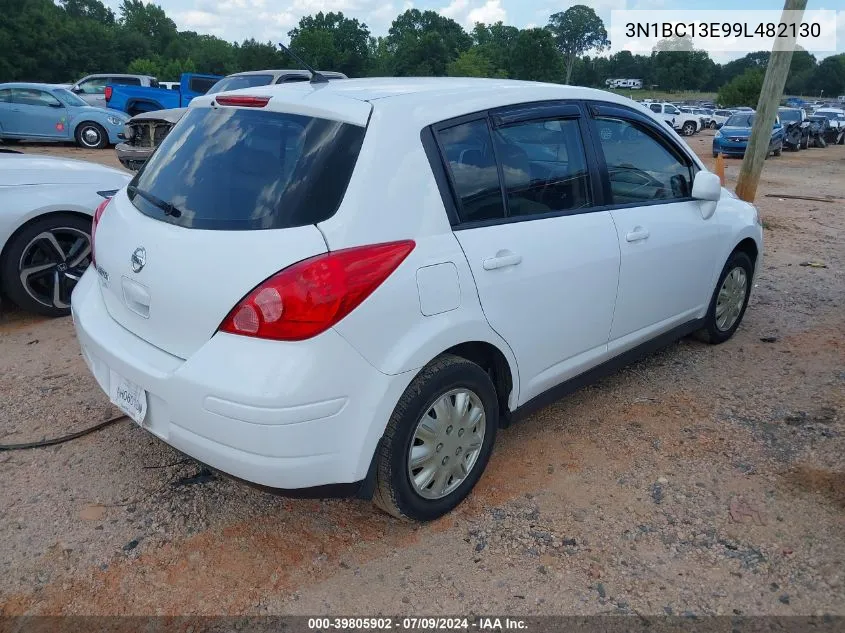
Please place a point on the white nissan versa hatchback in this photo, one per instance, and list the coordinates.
(349, 287)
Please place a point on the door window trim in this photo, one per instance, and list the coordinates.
(507, 116)
(617, 111)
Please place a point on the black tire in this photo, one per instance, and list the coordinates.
(711, 333)
(394, 492)
(67, 228)
(778, 150)
(689, 128)
(715, 154)
(90, 135)
(805, 142)
(820, 142)
(713, 125)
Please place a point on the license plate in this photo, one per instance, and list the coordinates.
(128, 397)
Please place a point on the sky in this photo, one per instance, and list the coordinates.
(236, 20)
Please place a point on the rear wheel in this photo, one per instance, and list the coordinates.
(778, 150)
(438, 440)
(43, 262)
(727, 306)
(91, 135)
(712, 125)
(688, 129)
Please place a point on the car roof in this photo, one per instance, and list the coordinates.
(422, 100)
(290, 71)
(32, 84)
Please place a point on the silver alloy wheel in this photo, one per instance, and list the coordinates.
(731, 298)
(52, 263)
(90, 136)
(446, 443)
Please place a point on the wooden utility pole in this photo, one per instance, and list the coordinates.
(767, 107)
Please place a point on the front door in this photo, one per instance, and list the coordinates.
(545, 263)
(37, 113)
(667, 246)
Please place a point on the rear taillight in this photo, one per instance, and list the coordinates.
(244, 101)
(313, 295)
(108, 93)
(98, 213)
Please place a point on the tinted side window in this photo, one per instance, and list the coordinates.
(199, 84)
(94, 86)
(288, 79)
(33, 97)
(469, 152)
(655, 107)
(125, 81)
(543, 165)
(640, 167)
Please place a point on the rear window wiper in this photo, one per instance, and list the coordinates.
(169, 209)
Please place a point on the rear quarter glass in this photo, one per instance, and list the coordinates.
(239, 169)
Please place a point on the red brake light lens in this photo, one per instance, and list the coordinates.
(311, 296)
(243, 101)
(108, 93)
(98, 213)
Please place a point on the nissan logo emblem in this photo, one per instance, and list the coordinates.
(138, 259)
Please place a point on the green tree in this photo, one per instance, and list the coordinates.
(474, 63)
(92, 9)
(423, 43)
(535, 56)
(495, 42)
(253, 55)
(576, 31)
(149, 20)
(743, 90)
(830, 76)
(331, 41)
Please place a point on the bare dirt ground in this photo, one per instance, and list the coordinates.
(702, 480)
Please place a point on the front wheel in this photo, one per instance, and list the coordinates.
(438, 440)
(90, 135)
(43, 262)
(778, 150)
(727, 306)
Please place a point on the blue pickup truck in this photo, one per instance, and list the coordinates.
(137, 99)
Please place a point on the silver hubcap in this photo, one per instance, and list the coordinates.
(90, 136)
(731, 298)
(446, 443)
(52, 263)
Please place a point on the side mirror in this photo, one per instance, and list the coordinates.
(707, 188)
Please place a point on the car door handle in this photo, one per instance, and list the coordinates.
(638, 234)
(503, 259)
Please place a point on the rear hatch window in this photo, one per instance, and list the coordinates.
(247, 169)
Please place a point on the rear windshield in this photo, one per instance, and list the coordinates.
(245, 169)
(740, 120)
(790, 115)
(240, 81)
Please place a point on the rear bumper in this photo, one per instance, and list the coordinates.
(283, 415)
(132, 157)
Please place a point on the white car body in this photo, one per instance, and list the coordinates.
(676, 118)
(34, 188)
(836, 116)
(720, 116)
(551, 298)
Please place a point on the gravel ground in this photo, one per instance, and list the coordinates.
(702, 480)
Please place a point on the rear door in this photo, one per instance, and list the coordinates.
(667, 246)
(545, 261)
(230, 198)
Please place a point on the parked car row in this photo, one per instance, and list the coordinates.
(793, 130)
